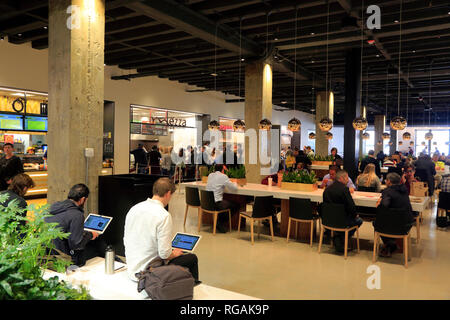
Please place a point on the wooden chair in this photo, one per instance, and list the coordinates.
(262, 210)
(334, 218)
(192, 200)
(392, 223)
(208, 205)
(301, 210)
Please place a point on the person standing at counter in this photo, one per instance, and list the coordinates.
(140, 158)
(10, 165)
(154, 158)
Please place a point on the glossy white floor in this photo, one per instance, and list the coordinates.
(294, 270)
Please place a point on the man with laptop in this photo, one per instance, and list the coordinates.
(81, 244)
(148, 234)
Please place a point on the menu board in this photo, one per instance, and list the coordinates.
(36, 123)
(152, 130)
(11, 122)
(135, 128)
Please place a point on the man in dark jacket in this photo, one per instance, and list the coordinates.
(10, 165)
(394, 196)
(371, 159)
(339, 193)
(302, 158)
(69, 215)
(140, 159)
(426, 170)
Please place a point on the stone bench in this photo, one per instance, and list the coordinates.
(118, 286)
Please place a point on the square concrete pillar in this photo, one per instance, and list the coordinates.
(379, 126)
(76, 96)
(258, 105)
(324, 108)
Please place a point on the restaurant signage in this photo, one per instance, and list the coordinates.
(171, 121)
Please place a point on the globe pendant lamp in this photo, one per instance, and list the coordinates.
(239, 125)
(366, 136)
(411, 143)
(379, 143)
(400, 143)
(329, 135)
(407, 136)
(214, 125)
(386, 136)
(312, 136)
(428, 136)
(265, 124)
(294, 124)
(423, 143)
(435, 143)
(390, 143)
(326, 124)
(398, 123)
(360, 123)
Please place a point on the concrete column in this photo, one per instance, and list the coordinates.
(393, 147)
(379, 126)
(76, 96)
(258, 105)
(324, 108)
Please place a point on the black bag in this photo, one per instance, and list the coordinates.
(166, 282)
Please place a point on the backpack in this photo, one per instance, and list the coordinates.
(166, 282)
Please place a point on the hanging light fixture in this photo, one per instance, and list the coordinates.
(435, 143)
(239, 125)
(428, 136)
(265, 124)
(386, 136)
(312, 136)
(325, 124)
(379, 142)
(294, 124)
(391, 143)
(398, 122)
(407, 136)
(366, 136)
(329, 135)
(400, 143)
(214, 125)
(411, 143)
(423, 143)
(360, 123)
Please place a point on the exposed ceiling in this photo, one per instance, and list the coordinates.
(203, 42)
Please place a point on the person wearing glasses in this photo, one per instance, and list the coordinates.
(408, 176)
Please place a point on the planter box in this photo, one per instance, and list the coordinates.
(241, 182)
(298, 186)
(322, 163)
(205, 179)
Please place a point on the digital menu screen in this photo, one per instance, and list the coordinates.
(11, 122)
(36, 123)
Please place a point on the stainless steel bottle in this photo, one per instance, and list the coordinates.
(109, 260)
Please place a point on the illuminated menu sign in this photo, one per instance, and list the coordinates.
(11, 122)
(36, 123)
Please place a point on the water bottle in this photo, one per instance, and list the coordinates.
(109, 260)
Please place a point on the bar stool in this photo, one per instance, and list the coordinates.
(208, 205)
(262, 210)
(301, 210)
(192, 200)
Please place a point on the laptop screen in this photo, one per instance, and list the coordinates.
(185, 241)
(96, 222)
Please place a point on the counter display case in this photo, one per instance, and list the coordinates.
(35, 166)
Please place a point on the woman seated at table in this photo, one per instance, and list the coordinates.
(408, 176)
(369, 179)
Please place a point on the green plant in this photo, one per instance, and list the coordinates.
(23, 256)
(206, 173)
(301, 176)
(321, 158)
(236, 172)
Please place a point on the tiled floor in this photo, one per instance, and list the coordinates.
(294, 270)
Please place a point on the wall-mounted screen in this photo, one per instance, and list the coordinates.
(36, 123)
(11, 122)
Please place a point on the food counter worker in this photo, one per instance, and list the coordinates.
(10, 165)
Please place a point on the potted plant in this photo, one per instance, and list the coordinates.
(321, 160)
(205, 174)
(23, 257)
(237, 174)
(299, 181)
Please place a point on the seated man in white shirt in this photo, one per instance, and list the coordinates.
(148, 233)
(217, 182)
(329, 178)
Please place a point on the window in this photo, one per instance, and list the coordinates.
(440, 137)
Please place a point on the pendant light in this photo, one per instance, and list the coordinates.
(366, 136)
(266, 124)
(360, 123)
(239, 125)
(325, 124)
(411, 143)
(400, 143)
(379, 142)
(407, 135)
(294, 124)
(329, 135)
(398, 122)
(312, 135)
(423, 143)
(385, 135)
(429, 135)
(215, 125)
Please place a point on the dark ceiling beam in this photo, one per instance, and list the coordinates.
(21, 7)
(214, 6)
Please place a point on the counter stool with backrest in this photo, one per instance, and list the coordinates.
(301, 210)
(334, 217)
(262, 210)
(392, 223)
(208, 205)
(443, 209)
(192, 200)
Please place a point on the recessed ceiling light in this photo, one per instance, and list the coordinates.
(312, 33)
(378, 55)
(284, 102)
(214, 74)
(276, 39)
(414, 51)
(45, 27)
(242, 59)
(18, 94)
(396, 21)
(312, 61)
(19, 34)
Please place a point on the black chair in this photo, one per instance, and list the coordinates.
(208, 205)
(443, 209)
(301, 210)
(334, 218)
(392, 223)
(192, 200)
(262, 210)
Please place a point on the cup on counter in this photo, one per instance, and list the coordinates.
(270, 181)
